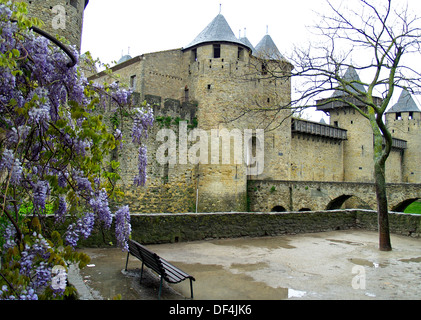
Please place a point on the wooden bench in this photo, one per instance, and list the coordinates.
(165, 270)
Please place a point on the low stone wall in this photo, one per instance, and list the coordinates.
(162, 228)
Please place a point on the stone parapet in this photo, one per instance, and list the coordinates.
(167, 228)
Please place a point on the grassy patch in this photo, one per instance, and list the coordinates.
(414, 207)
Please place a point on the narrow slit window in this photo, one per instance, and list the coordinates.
(216, 50)
(240, 54)
(194, 55)
(264, 69)
(133, 82)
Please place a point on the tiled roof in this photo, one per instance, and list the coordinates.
(247, 42)
(405, 104)
(124, 59)
(217, 31)
(267, 49)
(351, 76)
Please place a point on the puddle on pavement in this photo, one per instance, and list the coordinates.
(211, 283)
(249, 267)
(418, 259)
(352, 243)
(264, 242)
(367, 263)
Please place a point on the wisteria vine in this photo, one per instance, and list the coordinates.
(53, 148)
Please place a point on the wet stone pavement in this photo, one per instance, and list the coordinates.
(318, 266)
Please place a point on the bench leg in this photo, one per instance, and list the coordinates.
(127, 260)
(160, 288)
(141, 272)
(191, 288)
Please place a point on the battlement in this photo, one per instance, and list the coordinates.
(172, 108)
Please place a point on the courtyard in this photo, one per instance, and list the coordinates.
(344, 265)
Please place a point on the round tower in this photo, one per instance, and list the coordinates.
(404, 122)
(226, 79)
(60, 17)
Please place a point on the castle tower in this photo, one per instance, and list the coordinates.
(225, 78)
(215, 56)
(358, 149)
(404, 122)
(60, 17)
(266, 49)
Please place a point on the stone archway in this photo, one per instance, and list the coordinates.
(347, 201)
(400, 207)
(337, 202)
(278, 209)
(356, 203)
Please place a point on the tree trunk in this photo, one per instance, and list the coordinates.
(382, 210)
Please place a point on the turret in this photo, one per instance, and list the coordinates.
(358, 149)
(404, 122)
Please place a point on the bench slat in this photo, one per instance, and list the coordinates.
(176, 275)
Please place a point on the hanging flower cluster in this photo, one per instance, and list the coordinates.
(53, 151)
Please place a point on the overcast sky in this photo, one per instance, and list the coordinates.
(111, 27)
(115, 28)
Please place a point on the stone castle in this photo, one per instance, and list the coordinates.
(219, 83)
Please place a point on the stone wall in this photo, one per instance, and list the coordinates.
(324, 165)
(74, 9)
(265, 195)
(164, 228)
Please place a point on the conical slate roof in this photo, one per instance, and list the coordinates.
(247, 42)
(352, 77)
(124, 59)
(217, 31)
(267, 49)
(405, 104)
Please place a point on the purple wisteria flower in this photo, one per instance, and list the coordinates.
(13, 165)
(83, 227)
(60, 213)
(40, 249)
(40, 194)
(100, 207)
(123, 227)
(8, 236)
(143, 120)
(140, 178)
